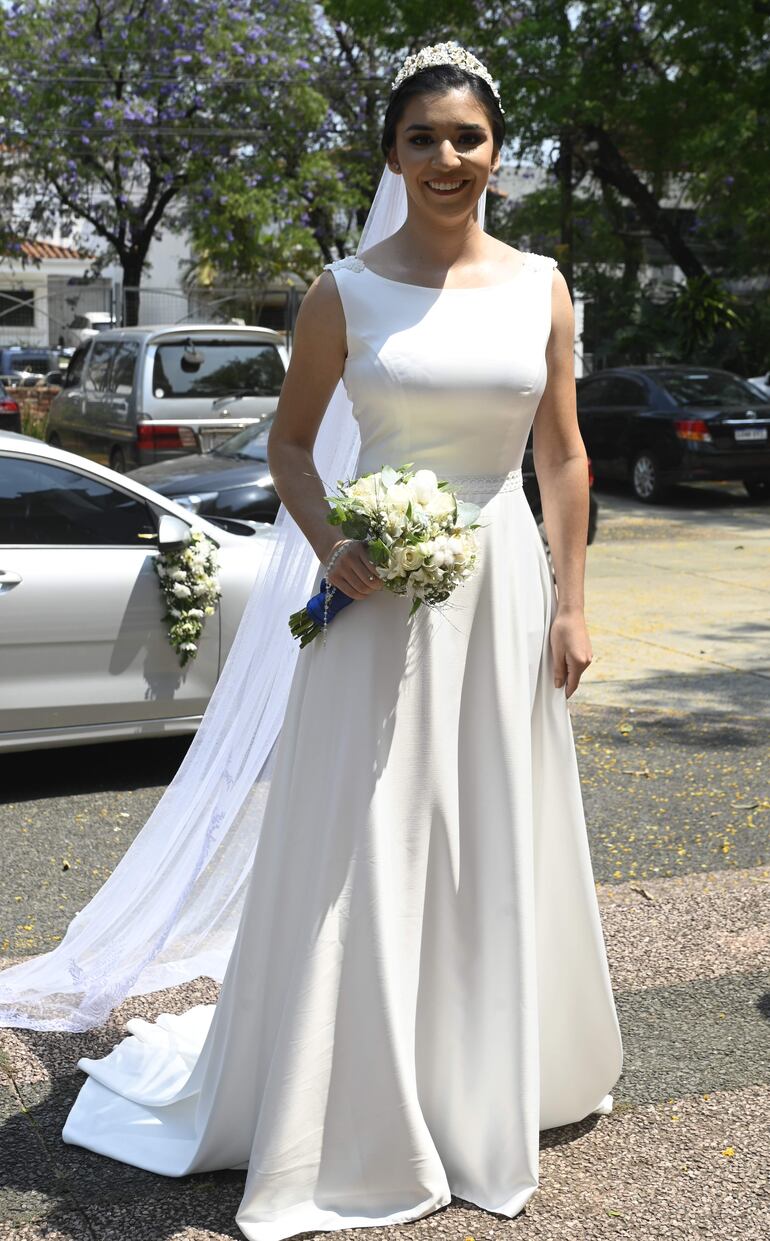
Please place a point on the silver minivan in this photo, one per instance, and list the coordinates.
(133, 396)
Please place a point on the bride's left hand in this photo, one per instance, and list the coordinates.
(571, 648)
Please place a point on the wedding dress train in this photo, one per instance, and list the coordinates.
(419, 982)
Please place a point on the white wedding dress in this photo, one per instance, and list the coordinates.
(419, 983)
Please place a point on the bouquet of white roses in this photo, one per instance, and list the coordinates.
(190, 586)
(418, 535)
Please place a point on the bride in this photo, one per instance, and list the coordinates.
(416, 981)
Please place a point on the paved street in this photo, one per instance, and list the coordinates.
(671, 727)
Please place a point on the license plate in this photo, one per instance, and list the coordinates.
(751, 433)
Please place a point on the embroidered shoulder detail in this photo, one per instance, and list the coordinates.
(351, 262)
(539, 262)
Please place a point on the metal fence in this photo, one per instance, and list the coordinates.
(274, 307)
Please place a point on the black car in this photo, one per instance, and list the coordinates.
(233, 480)
(659, 425)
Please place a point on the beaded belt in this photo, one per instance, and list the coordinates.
(479, 488)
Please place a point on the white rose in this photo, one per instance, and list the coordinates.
(399, 497)
(412, 557)
(441, 506)
(181, 592)
(177, 575)
(367, 491)
(425, 485)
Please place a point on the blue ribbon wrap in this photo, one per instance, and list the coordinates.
(338, 601)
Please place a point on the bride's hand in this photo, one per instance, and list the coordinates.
(571, 648)
(353, 572)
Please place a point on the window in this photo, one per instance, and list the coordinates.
(17, 308)
(704, 387)
(123, 368)
(593, 392)
(611, 390)
(99, 362)
(207, 367)
(47, 504)
(621, 391)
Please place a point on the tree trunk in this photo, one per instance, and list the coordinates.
(133, 266)
(608, 165)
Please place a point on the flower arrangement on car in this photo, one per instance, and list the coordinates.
(190, 586)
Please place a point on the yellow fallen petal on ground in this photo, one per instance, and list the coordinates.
(729, 1150)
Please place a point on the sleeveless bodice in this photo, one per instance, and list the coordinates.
(449, 379)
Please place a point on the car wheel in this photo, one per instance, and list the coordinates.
(645, 477)
(118, 461)
(758, 488)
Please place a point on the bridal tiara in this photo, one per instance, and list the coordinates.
(446, 54)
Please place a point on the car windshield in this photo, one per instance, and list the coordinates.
(708, 388)
(207, 367)
(250, 444)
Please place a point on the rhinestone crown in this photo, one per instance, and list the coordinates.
(446, 54)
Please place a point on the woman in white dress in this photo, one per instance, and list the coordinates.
(419, 982)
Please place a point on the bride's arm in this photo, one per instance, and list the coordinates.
(317, 361)
(561, 465)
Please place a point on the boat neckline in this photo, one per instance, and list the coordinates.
(433, 288)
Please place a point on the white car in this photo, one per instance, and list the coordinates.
(84, 326)
(84, 649)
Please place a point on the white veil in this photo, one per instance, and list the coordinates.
(169, 911)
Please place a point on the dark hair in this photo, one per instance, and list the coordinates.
(437, 80)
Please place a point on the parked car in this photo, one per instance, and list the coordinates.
(88, 324)
(231, 480)
(84, 649)
(10, 414)
(234, 479)
(133, 396)
(27, 360)
(659, 425)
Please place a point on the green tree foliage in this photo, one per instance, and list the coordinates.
(641, 103)
(137, 113)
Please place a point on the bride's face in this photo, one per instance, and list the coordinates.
(442, 140)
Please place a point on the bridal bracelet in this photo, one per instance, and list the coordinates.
(329, 591)
(331, 562)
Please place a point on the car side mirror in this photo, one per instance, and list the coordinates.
(172, 532)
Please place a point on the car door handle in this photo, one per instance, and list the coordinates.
(7, 578)
(120, 406)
